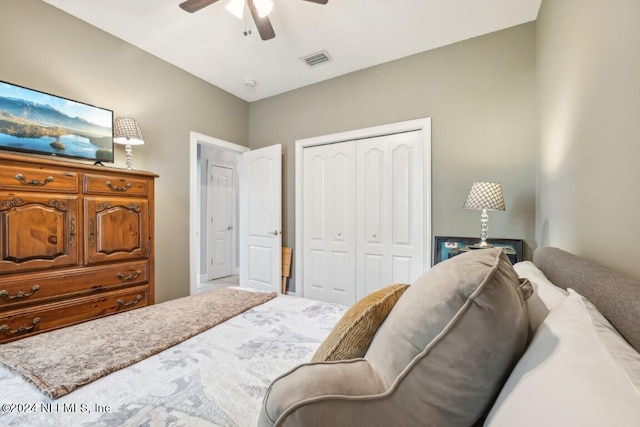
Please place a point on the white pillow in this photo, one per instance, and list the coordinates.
(546, 295)
(577, 371)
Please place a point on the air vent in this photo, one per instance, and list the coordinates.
(317, 58)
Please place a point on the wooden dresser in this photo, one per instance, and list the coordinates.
(76, 243)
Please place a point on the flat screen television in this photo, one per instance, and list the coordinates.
(36, 122)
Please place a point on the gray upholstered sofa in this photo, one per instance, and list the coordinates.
(476, 341)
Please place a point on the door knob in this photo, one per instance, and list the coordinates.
(230, 227)
(275, 233)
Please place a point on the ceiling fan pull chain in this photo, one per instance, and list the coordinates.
(247, 28)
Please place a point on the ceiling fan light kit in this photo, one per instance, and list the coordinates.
(236, 7)
(260, 10)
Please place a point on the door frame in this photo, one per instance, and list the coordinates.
(194, 214)
(423, 124)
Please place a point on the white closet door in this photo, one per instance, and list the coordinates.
(329, 223)
(389, 209)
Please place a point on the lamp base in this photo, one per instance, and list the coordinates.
(128, 150)
(484, 227)
(481, 245)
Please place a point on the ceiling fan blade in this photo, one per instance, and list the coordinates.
(262, 24)
(318, 1)
(195, 5)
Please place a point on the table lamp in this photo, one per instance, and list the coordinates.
(127, 132)
(485, 196)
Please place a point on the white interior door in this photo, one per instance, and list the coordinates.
(389, 209)
(261, 219)
(329, 223)
(221, 221)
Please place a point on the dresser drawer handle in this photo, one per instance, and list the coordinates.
(19, 294)
(22, 179)
(117, 187)
(129, 277)
(122, 304)
(21, 329)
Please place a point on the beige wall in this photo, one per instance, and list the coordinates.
(480, 95)
(589, 112)
(46, 49)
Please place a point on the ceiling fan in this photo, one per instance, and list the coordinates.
(259, 11)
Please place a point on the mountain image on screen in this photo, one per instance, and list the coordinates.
(30, 126)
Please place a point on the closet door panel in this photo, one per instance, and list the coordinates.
(341, 224)
(329, 222)
(340, 219)
(371, 212)
(407, 206)
(315, 244)
(389, 211)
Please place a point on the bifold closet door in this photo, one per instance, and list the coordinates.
(329, 186)
(389, 211)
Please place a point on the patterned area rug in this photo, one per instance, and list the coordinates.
(58, 362)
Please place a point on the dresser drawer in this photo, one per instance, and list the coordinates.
(20, 323)
(35, 288)
(32, 179)
(115, 185)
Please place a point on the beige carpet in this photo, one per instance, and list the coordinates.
(58, 362)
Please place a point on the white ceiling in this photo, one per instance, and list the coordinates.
(356, 33)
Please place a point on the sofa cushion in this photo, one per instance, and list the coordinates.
(577, 371)
(439, 358)
(351, 336)
(546, 295)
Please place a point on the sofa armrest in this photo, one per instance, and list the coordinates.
(314, 382)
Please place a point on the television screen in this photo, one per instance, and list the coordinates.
(36, 122)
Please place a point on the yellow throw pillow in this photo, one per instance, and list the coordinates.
(352, 335)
